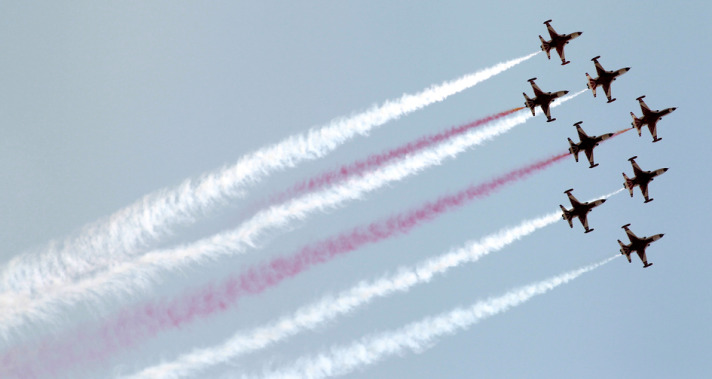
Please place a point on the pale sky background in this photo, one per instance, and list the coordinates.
(104, 102)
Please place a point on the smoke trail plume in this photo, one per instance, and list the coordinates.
(419, 336)
(120, 235)
(330, 307)
(377, 160)
(136, 324)
(125, 277)
(311, 316)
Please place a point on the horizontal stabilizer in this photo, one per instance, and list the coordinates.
(573, 149)
(637, 123)
(545, 47)
(591, 84)
(566, 215)
(628, 184)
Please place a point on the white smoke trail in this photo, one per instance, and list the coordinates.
(119, 236)
(328, 308)
(420, 335)
(126, 277)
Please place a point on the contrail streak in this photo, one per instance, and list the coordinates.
(126, 277)
(120, 235)
(378, 160)
(138, 323)
(328, 308)
(420, 335)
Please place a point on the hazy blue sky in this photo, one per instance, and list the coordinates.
(104, 102)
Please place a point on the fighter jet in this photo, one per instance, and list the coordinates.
(638, 245)
(641, 178)
(649, 118)
(604, 79)
(558, 41)
(579, 210)
(586, 144)
(542, 99)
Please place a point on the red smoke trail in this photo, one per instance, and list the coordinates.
(377, 160)
(620, 132)
(136, 324)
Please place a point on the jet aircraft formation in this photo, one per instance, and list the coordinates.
(641, 178)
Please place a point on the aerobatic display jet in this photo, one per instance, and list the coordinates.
(638, 245)
(604, 79)
(649, 118)
(558, 41)
(542, 99)
(641, 178)
(579, 209)
(586, 144)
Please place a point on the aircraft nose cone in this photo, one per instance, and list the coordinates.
(627, 69)
(673, 108)
(665, 169)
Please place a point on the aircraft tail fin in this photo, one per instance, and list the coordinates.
(625, 250)
(566, 215)
(545, 47)
(573, 149)
(628, 184)
(637, 123)
(591, 84)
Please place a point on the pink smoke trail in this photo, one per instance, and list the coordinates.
(90, 346)
(377, 160)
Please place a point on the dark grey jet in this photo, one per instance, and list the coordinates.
(604, 79)
(638, 245)
(541, 99)
(580, 210)
(641, 178)
(558, 41)
(649, 118)
(586, 144)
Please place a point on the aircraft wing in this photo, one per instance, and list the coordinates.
(584, 220)
(644, 107)
(631, 235)
(537, 90)
(607, 89)
(644, 189)
(599, 69)
(545, 109)
(653, 127)
(636, 169)
(574, 202)
(582, 135)
(552, 33)
(642, 255)
(589, 155)
(560, 51)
